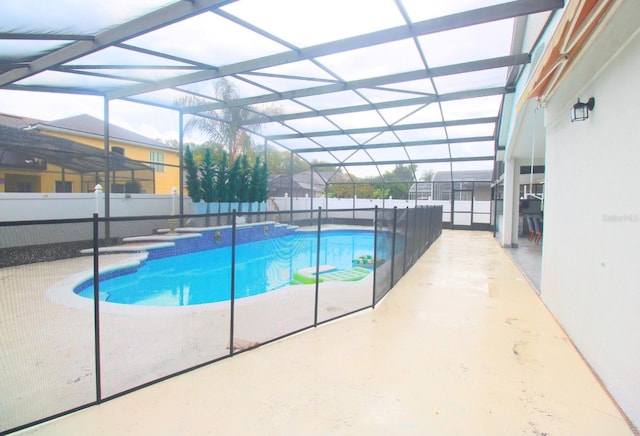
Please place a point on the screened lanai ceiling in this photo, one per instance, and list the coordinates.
(341, 83)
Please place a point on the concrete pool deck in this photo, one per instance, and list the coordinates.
(461, 345)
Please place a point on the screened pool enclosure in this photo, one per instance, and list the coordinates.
(353, 89)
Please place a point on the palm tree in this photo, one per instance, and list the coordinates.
(224, 126)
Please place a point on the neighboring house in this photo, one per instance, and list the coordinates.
(33, 162)
(280, 184)
(421, 191)
(470, 184)
(46, 170)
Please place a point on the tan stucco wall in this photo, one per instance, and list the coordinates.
(164, 181)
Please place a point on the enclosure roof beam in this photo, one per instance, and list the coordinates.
(385, 105)
(355, 147)
(467, 67)
(465, 122)
(468, 18)
(130, 29)
(402, 162)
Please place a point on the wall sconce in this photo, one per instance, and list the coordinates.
(580, 110)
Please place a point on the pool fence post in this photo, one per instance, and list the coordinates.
(233, 281)
(96, 306)
(315, 310)
(375, 254)
(420, 230)
(406, 232)
(393, 242)
(311, 198)
(428, 231)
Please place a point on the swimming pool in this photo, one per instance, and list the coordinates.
(205, 276)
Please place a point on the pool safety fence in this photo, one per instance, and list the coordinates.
(63, 352)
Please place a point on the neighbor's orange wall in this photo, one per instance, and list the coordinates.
(164, 181)
(48, 178)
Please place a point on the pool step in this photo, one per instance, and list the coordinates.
(136, 244)
(129, 248)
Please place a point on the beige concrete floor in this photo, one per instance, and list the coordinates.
(461, 346)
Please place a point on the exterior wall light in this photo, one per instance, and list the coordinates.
(580, 110)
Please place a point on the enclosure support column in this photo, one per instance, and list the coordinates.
(473, 200)
(393, 242)
(233, 281)
(510, 204)
(311, 204)
(265, 155)
(181, 163)
(315, 310)
(326, 201)
(291, 188)
(494, 206)
(266, 167)
(354, 202)
(406, 239)
(107, 182)
(96, 306)
(375, 253)
(383, 193)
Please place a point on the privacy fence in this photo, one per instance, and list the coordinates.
(100, 313)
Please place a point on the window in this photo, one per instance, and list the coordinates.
(156, 159)
(64, 186)
(24, 187)
(118, 150)
(21, 183)
(535, 189)
(117, 188)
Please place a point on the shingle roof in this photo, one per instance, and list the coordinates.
(90, 125)
(16, 121)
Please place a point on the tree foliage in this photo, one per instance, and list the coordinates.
(222, 178)
(394, 184)
(279, 162)
(235, 182)
(381, 193)
(207, 177)
(427, 176)
(213, 180)
(261, 181)
(244, 191)
(193, 181)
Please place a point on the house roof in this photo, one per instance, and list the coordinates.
(463, 176)
(87, 125)
(458, 176)
(16, 121)
(17, 143)
(320, 179)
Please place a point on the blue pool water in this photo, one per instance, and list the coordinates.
(205, 276)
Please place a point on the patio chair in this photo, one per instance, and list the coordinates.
(537, 225)
(530, 226)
